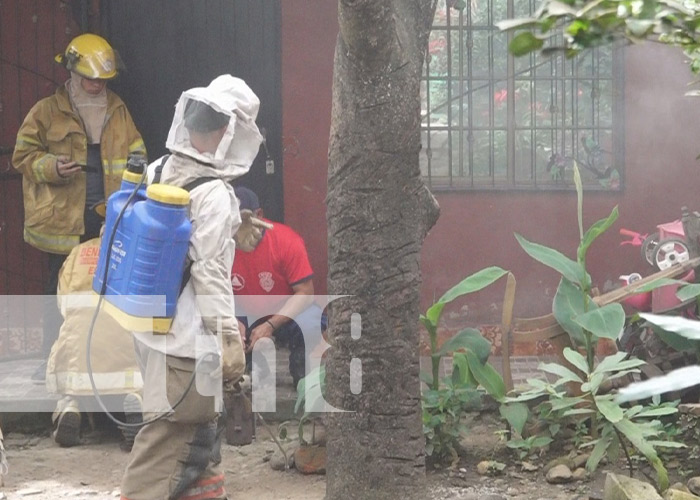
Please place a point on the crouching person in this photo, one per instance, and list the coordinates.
(213, 139)
(115, 370)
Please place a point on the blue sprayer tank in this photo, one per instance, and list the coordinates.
(131, 178)
(147, 255)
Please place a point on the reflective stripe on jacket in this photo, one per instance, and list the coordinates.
(54, 206)
(113, 360)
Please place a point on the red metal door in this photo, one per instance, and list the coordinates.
(31, 34)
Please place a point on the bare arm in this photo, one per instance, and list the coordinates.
(301, 299)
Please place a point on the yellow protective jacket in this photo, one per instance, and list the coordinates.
(54, 206)
(112, 356)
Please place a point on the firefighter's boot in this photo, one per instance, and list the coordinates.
(66, 422)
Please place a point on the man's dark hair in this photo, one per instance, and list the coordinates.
(247, 199)
(200, 117)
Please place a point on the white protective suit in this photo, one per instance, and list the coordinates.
(178, 456)
(207, 298)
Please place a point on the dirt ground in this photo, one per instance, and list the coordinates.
(39, 470)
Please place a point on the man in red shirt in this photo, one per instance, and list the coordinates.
(272, 281)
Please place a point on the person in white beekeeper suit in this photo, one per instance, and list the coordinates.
(213, 139)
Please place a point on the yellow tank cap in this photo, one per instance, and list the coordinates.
(171, 195)
(132, 177)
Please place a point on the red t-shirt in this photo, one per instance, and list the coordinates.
(277, 263)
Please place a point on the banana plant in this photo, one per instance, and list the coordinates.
(616, 425)
(470, 351)
(585, 322)
(445, 400)
(573, 305)
(681, 332)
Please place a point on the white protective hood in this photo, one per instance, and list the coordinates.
(241, 142)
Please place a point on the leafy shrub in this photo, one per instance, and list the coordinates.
(446, 399)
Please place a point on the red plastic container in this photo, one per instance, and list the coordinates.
(659, 300)
(664, 298)
(639, 301)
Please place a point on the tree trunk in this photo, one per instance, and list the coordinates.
(379, 212)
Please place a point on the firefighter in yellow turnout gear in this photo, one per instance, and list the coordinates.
(72, 149)
(115, 370)
(64, 129)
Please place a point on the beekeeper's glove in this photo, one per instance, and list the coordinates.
(230, 366)
(233, 358)
(251, 231)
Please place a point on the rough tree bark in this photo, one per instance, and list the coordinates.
(379, 212)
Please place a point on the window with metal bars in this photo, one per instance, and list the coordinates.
(493, 121)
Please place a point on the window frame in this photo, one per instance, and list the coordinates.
(459, 173)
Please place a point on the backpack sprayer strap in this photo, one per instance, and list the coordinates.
(189, 187)
(159, 170)
(158, 173)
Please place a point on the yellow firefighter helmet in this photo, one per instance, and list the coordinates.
(91, 56)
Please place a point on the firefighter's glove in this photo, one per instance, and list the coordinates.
(250, 232)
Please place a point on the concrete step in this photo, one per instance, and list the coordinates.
(18, 393)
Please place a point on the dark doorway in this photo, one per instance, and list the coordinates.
(171, 45)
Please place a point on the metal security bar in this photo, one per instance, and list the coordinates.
(492, 121)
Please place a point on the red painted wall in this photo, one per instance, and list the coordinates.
(309, 31)
(476, 230)
(31, 34)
